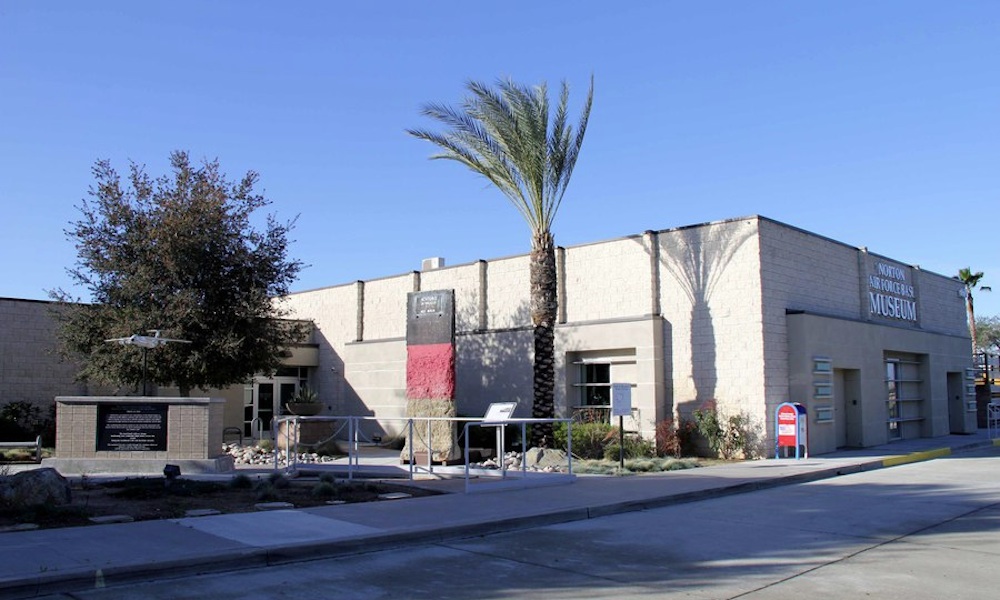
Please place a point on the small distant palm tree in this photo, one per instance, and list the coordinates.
(970, 280)
(505, 135)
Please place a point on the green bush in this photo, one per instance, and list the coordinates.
(589, 439)
(266, 492)
(278, 480)
(324, 490)
(21, 421)
(734, 436)
(707, 421)
(635, 447)
(241, 482)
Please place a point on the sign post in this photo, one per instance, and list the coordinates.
(791, 427)
(621, 406)
(497, 415)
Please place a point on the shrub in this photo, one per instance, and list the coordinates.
(278, 480)
(707, 422)
(327, 478)
(733, 436)
(324, 490)
(635, 447)
(266, 445)
(21, 421)
(266, 492)
(241, 482)
(589, 438)
(638, 465)
(675, 440)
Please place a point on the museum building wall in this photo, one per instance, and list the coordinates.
(838, 319)
(730, 314)
(742, 314)
(30, 367)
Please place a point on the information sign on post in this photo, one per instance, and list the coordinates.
(621, 400)
(621, 407)
(499, 412)
(791, 429)
(497, 415)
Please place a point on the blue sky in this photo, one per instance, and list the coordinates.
(874, 123)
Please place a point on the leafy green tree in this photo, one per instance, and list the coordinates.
(988, 333)
(180, 254)
(970, 280)
(508, 135)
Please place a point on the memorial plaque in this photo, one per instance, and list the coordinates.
(132, 427)
(430, 317)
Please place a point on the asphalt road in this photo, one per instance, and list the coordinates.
(924, 530)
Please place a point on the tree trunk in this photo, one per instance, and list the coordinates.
(972, 322)
(544, 305)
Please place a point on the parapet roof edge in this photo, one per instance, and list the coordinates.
(634, 236)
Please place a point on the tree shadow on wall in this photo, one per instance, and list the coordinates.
(696, 259)
(494, 365)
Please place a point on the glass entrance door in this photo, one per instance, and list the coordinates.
(270, 397)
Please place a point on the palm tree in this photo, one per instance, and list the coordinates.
(970, 280)
(505, 135)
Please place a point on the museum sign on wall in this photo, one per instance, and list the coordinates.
(889, 292)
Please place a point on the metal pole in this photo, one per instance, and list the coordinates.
(427, 445)
(569, 444)
(621, 444)
(413, 441)
(467, 457)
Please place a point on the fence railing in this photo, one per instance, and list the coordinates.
(287, 429)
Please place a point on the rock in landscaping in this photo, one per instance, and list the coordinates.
(34, 488)
(394, 496)
(111, 519)
(545, 457)
(273, 505)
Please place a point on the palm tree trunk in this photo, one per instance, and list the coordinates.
(544, 306)
(972, 322)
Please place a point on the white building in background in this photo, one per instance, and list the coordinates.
(747, 313)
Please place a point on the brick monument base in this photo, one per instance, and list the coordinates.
(117, 434)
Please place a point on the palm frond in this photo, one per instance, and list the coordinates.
(506, 134)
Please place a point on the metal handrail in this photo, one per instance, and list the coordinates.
(525, 480)
(354, 438)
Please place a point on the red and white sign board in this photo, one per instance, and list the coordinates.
(790, 427)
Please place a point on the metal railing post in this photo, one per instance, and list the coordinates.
(524, 448)
(427, 445)
(466, 432)
(352, 440)
(412, 444)
(569, 444)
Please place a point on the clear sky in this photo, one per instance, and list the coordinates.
(873, 123)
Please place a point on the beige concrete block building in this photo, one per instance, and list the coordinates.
(746, 313)
(749, 313)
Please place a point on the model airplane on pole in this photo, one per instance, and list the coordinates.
(147, 341)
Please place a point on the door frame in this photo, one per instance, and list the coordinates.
(282, 390)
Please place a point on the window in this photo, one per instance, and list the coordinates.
(904, 400)
(589, 378)
(892, 385)
(596, 384)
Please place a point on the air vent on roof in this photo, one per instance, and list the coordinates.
(429, 264)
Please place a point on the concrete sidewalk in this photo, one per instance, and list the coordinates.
(48, 561)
